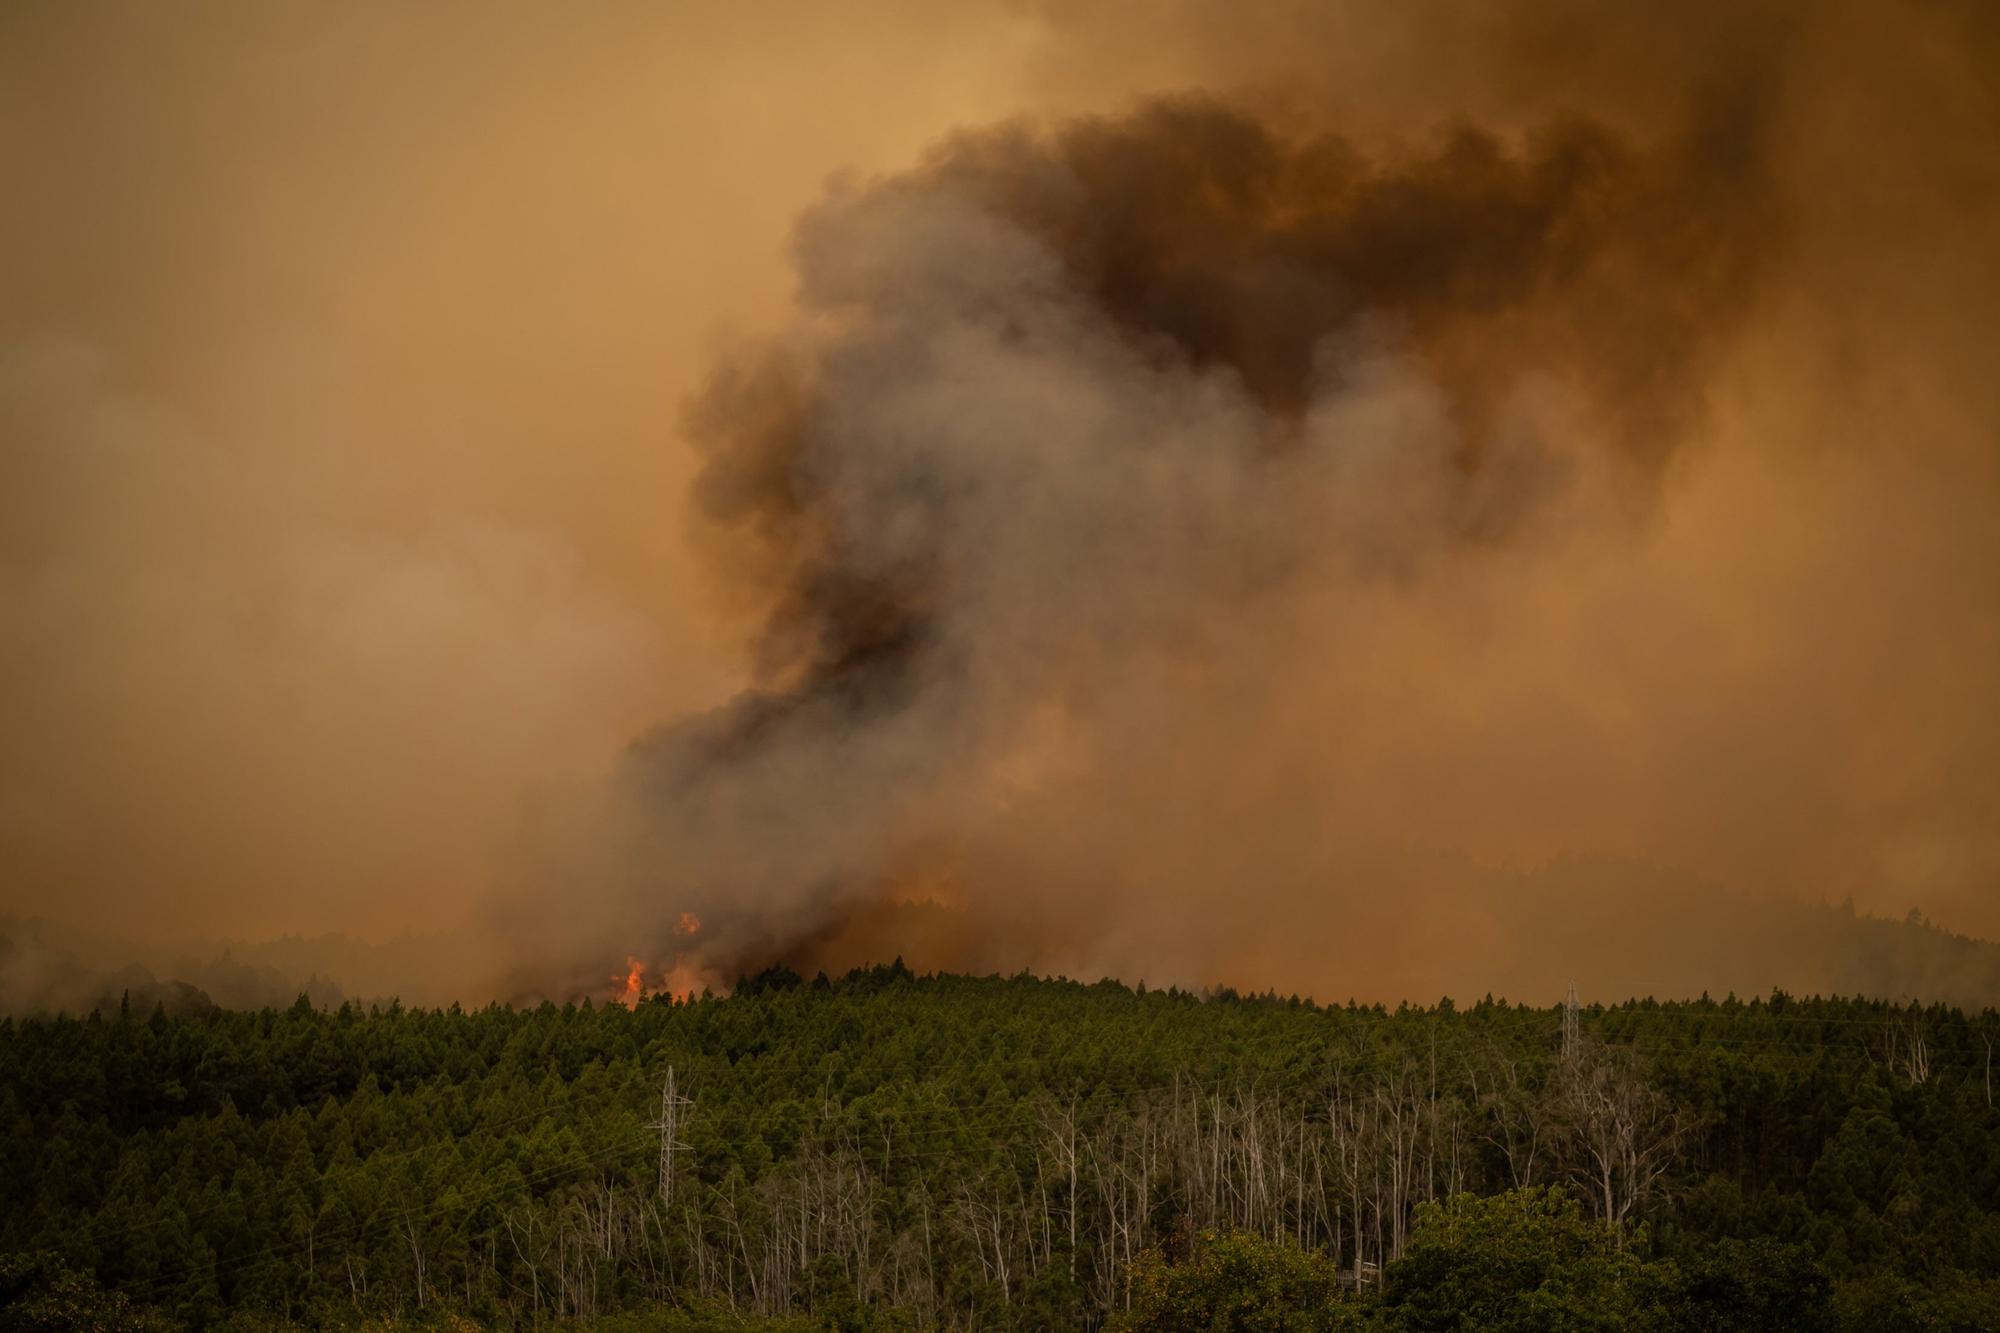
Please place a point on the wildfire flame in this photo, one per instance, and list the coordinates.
(634, 983)
(680, 978)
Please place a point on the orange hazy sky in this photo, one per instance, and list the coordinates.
(344, 351)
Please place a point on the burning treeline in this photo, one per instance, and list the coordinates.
(678, 979)
(1198, 544)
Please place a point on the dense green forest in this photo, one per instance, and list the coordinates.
(893, 1151)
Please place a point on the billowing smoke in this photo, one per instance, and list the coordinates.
(1197, 544)
(1366, 499)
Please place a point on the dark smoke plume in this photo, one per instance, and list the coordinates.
(1205, 246)
(1198, 544)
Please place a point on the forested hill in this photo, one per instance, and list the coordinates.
(926, 1151)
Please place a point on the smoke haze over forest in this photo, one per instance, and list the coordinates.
(1346, 500)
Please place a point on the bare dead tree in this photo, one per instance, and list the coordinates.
(1519, 1120)
(1622, 1135)
(1909, 1051)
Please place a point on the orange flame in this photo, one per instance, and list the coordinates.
(681, 978)
(634, 983)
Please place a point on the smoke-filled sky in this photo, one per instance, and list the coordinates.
(1193, 491)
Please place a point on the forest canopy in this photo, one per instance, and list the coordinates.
(893, 1150)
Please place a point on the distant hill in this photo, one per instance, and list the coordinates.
(49, 968)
